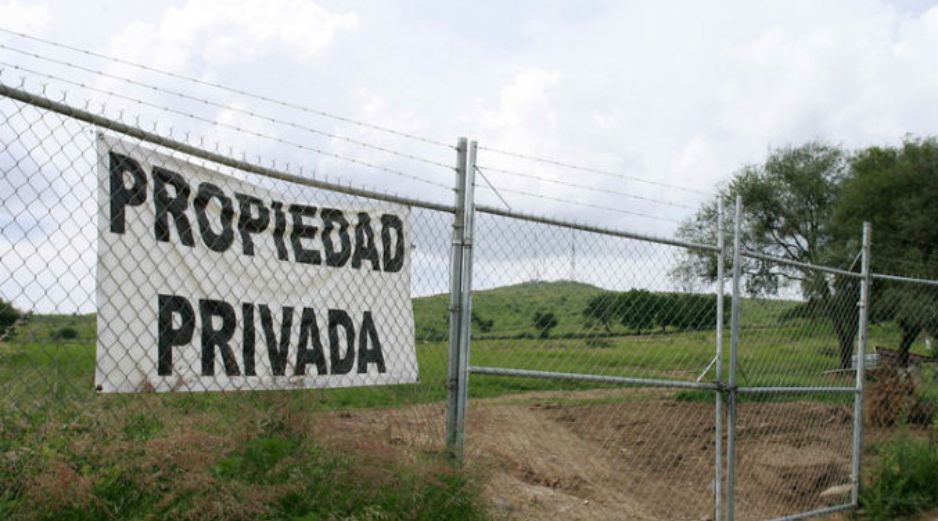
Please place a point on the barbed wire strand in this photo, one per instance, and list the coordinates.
(652, 200)
(912, 268)
(905, 240)
(229, 126)
(583, 204)
(923, 268)
(232, 90)
(344, 119)
(222, 106)
(597, 171)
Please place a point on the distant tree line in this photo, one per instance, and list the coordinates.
(641, 310)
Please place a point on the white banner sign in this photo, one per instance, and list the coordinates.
(208, 282)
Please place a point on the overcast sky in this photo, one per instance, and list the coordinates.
(680, 93)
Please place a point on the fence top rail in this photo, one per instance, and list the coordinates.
(594, 229)
(179, 146)
(898, 278)
(803, 265)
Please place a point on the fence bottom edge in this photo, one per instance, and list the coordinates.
(819, 512)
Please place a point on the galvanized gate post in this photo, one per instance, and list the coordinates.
(864, 309)
(731, 378)
(453, 433)
(465, 306)
(460, 298)
(718, 426)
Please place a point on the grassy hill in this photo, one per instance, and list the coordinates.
(510, 308)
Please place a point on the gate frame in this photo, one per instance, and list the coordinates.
(857, 389)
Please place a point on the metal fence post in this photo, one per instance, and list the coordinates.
(454, 434)
(465, 305)
(731, 378)
(718, 427)
(864, 305)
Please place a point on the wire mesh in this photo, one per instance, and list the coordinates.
(793, 445)
(902, 380)
(792, 453)
(48, 229)
(570, 302)
(605, 407)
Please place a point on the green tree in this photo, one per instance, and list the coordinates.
(692, 311)
(544, 321)
(602, 309)
(896, 189)
(788, 205)
(639, 309)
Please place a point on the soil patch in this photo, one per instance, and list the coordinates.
(544, 457)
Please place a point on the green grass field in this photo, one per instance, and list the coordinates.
(40, 366)
(53, 426)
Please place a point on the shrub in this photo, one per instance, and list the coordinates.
(66, 333)
(904, 479)
(544, 321)
(9, 315)
(484, 325)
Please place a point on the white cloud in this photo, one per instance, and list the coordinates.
(525, 114)
(30, 18)
(698, 90)
(676, 92)
(221, 31)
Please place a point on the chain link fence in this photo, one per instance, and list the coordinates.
(601, 395)
(52, 415)
(556, 358)
(797, 383)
